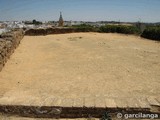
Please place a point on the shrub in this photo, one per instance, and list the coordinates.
(152, 33)
(119, 29)
(84, 28)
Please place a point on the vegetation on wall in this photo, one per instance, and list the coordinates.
(152, 33)
(119, 29)
(108, 29)
(85, 28)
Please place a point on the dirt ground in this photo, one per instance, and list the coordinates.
(81, 65)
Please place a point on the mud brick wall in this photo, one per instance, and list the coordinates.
(8, 42)
(35, 32)
(68, 112)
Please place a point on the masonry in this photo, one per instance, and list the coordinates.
(48, 31)
(8, 43)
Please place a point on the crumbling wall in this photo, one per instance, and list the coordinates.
(42, 31)
(8, 42)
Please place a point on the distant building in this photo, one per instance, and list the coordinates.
(61, 22)
(2, 25)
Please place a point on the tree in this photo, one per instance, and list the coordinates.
(34, 21)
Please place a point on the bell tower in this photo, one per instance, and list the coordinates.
(61, 22)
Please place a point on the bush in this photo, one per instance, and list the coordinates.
(84, 28)
(119, 29)
(36, 22)
(152, 33)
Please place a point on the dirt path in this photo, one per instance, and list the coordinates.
(81, 65)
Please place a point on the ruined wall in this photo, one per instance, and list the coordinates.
(35, 32)
(8, 42)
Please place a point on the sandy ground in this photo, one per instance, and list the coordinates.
(82, 65)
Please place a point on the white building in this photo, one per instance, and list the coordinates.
(4, 30)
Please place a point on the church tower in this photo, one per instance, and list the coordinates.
(61, 22)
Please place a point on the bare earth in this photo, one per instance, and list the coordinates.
(81, 65)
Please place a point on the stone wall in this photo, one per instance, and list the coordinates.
(69, 112)
(8, 42)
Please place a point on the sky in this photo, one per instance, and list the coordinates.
(81, 10)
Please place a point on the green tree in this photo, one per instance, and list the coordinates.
(34, 21)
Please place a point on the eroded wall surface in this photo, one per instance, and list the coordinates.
(8, 42)
(41, 31)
